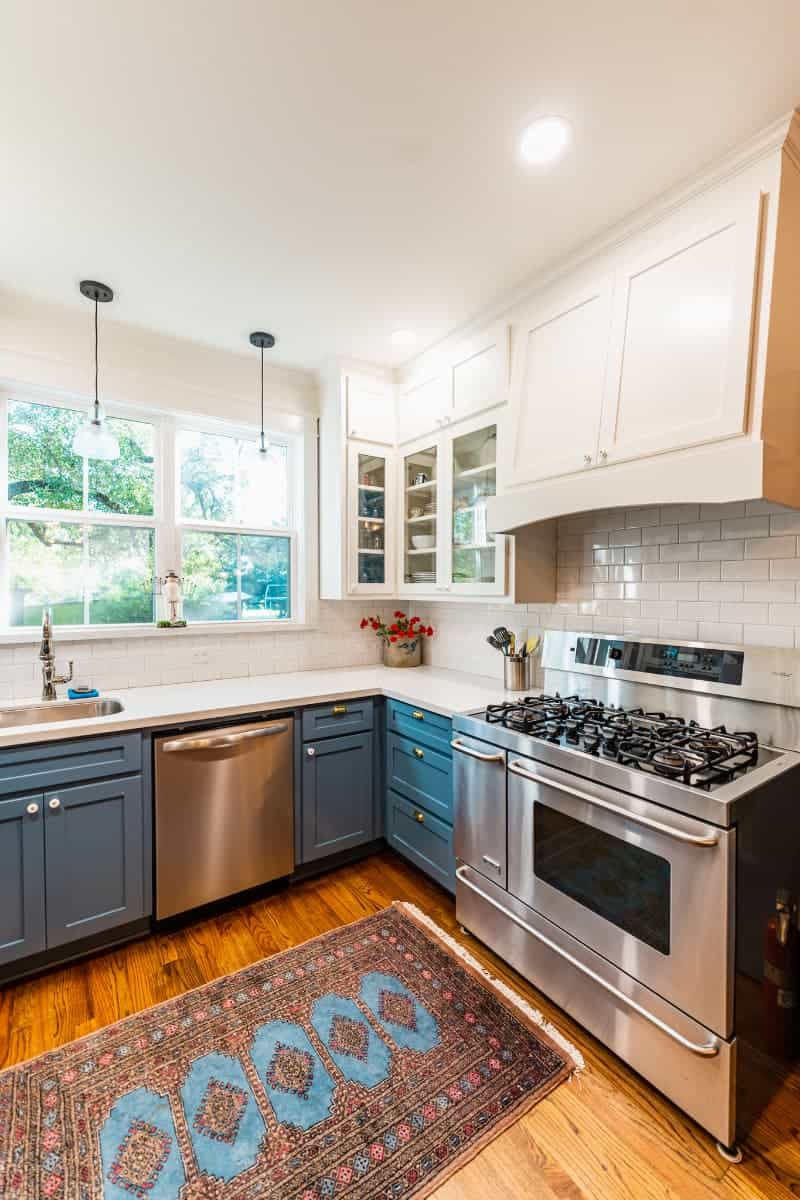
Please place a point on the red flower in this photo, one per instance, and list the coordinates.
(393, 629)
(375, 625)
(399, 614)
(364, 623)
(414, 620)
(429, 631)
(392, 638)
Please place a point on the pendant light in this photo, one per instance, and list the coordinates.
(264, 341)
(94, 439)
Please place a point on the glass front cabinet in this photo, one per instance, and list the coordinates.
(371, 503)
(445, 545)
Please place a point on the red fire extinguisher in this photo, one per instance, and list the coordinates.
(782, 979)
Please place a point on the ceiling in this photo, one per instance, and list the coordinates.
(335, 169)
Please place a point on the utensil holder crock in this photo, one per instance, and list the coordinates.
(517, 673)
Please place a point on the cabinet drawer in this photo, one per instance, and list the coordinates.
(341, 716)
(51, 764)
(428, 728)
(423, 839)
(422, 775)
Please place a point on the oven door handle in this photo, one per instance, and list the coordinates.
(691, 839)
(704, 1049)
(458, 745)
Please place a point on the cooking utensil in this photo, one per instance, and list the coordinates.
(503, 637)
(532, 645)
(493, 642)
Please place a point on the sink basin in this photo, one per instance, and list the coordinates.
(57, 710)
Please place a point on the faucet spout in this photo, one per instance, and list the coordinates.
(47, 657)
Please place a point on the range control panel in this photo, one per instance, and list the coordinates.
(651, 658)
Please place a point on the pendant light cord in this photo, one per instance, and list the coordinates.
(96, 367)
(262, 396)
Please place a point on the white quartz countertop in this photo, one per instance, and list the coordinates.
(441, 691)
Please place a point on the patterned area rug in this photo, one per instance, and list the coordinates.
(370, 1062)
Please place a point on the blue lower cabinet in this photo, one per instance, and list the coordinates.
(337, 807)
(22, 911)
(95, 862)
(422, 775)
(422, 838)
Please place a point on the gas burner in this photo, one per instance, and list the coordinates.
(652, 741)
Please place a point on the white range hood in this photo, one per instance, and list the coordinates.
(666, 368)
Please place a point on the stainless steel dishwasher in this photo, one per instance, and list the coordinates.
(224, 812)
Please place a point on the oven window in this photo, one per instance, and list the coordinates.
(623, 883)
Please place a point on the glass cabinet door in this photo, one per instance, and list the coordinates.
(420, 517)
(475, 559)
(371, 519)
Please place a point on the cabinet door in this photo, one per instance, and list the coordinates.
(423, 523)
(95, 864)
(480, 372)
(370, 410)
(680, 340)
(337, 795)
(424, 405)
(371, 509)
(558, 371)
(476, 558)
(22, 926)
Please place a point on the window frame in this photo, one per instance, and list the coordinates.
(293, 430)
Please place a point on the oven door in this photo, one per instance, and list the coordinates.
(649, 889)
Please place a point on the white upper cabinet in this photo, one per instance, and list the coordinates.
(479, 372)
(423, 405)
(560, 347)
(680, 337)
(370, 409)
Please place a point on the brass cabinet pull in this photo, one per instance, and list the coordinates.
(419, 817)
(418, 753)
(339, 710)
(417, 715)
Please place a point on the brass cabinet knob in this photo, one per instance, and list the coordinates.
(419, 817)
(339, 710)
(418, 753)
(417, 715)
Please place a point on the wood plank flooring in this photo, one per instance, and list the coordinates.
(604, 1136)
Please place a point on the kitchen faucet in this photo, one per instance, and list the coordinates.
(47, 656)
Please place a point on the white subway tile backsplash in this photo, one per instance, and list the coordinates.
(629, 574)
(700, 531)
(623, 608)
(777, 591)
(721, 591)
(638, 518)
(752, 614)
(625, 537)
(747, 569)
(784, 614)
(768, 635)
(716, 551)
(716, 512)
(658, 534)
(609, 591)
(679, 512)
(639, 627)
(701, 571)
(785, 568)
(604, 557)
(771, 547)
(690, 610)
(685, 552)
(745, 527)
(719, 631)
(660, 609)
(785, 522)
(658, 572)
(678, 591)
(678, 629)
(641, 554)
(642, 591)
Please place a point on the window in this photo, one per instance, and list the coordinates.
(224, 489)
(89, 538)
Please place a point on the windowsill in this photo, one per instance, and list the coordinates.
(28, 634)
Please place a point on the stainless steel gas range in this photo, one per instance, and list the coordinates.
(620, 841)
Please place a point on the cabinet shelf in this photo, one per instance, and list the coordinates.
(474, 545)
(377, 553)
(373, 520)
(426, 550)
(473, 471)
(421, 520)
(370, 487)
(421, 487)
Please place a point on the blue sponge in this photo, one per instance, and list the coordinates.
(90, 695)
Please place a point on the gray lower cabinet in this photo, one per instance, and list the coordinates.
(22, 909)
(422, 838)
(93, 846)
(337, 795)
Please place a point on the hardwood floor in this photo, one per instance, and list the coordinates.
(604, 1136)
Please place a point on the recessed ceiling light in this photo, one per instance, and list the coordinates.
(403, 337)
(544, 141)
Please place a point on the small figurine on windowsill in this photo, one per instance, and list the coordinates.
(171, 591)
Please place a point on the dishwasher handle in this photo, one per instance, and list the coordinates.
(223, 741)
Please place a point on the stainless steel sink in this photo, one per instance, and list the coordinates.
(58, 710)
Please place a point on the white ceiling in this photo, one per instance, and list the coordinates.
(334, 169)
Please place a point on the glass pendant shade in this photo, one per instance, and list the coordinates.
(95, 440)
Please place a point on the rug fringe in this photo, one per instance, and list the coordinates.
(513, 997)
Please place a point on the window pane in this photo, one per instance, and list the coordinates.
(120, 576)
(209, 577)
(45, 567)
(42, 470)
(207, 465)
(125, 485)
(264, 493)
(265, 578)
